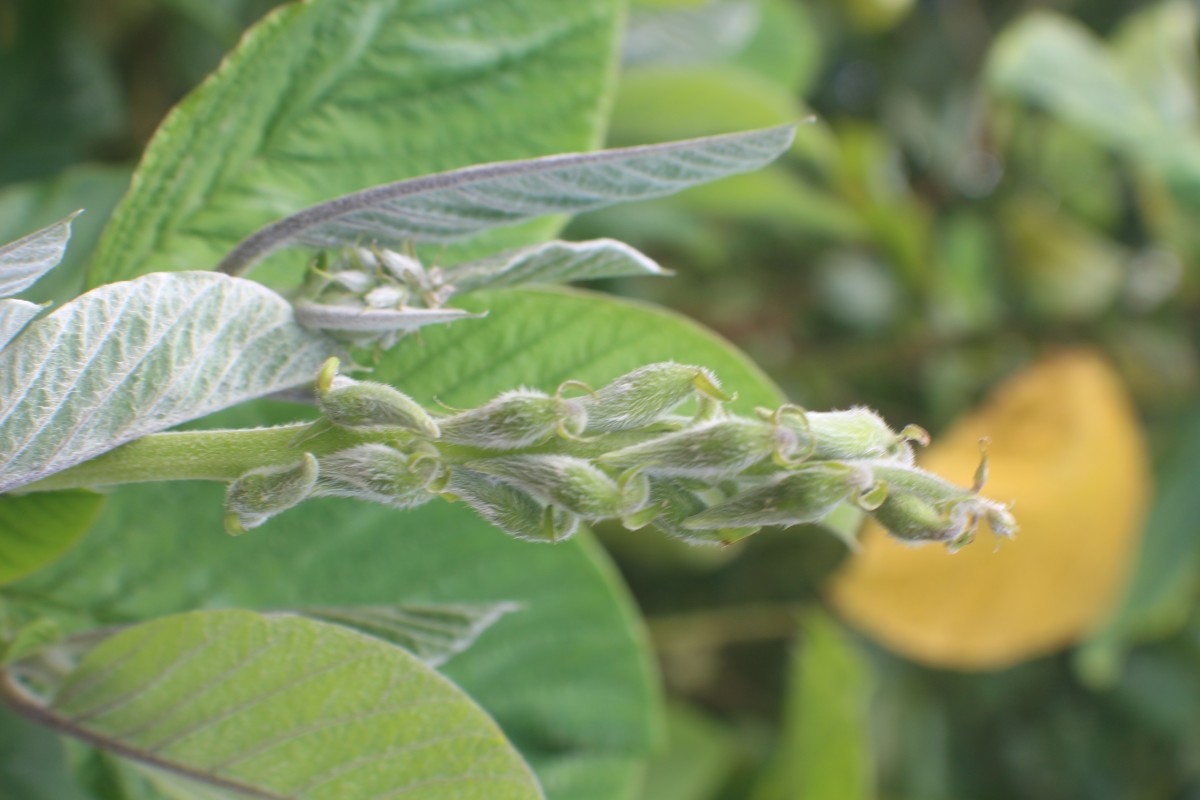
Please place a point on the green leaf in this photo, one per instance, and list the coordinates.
(14, 316)
(824, 748)
(433, 633)
(452, 205)
(136, 357)
(35, 529)
(689, 34)
(32, 763)
(553, 262)
(699, 757)
(328, 97)
(569, 678)
(279, 706)
(24, 261)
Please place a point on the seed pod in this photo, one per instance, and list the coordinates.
(380, 474)
(262, 493)
(804, 496)
(711, 451)
(570, 483)
(510, 509)
(515, 419)
(858, 433)
(368, 405)
(645, 395)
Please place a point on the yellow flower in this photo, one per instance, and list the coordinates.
(1067, 452)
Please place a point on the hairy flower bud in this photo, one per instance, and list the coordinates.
(645, 395)
(380, 474)
(858, 433)
(571, 483)
(677, 501)
(710, 451)
(515, 419)
(513, 510)
(804, 496)
(262, 493)
(363, 404)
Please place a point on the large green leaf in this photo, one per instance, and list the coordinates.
(568, 677)
(279, 707)
(135, 357)
(35, 529)
(327, 97)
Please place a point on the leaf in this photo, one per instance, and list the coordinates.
(354, 319)
(35, 529)
(32, 762)
(136, 357)
(433, 633)
(571, 680)
(699, 757)
(14, 316)
(688, 35)
(553, 262)
(452, 205)
(1066, 450)
(824, 747)
(327, 97)
(24, 261)
(280, 707)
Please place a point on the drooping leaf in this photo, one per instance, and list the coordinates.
(14, 316)
(328, 97)
(453, 205)
(24, 261)
(136, 357)
(37, 528)
(280, 707)
(1066, 450)
(579, 700)
(824, 748)
(552, 262)
(433, 633)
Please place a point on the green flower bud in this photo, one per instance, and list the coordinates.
(510, 509)
(921, 507)
(710, 451)
(571, 483)
(859, 433)
(804, 496)
(676, 501)
(262, 493)
(645, 395)
(515, 419)
(363, 404)
(380, 474)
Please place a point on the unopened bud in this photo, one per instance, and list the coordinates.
(645, 395)
(380, 474)
(510, 509)
(676, 502)
(364, 404)
(571, 483)
(920, 507)
(515, 419)
(859, 433)
(804, 496)
(710, 451)
(262, 493)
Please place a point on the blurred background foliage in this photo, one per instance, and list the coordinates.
(988, 228)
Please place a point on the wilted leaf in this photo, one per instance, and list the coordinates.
(136, 357)
(1067, 451)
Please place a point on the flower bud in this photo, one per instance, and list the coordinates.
(515, 419)
(710, 451)
(380, 474)
(920, 507)
(804, 496)
(858, 433)
(262, 493)
(364, 404)
(643, 396)
(510, 509)
(676, 502)
(571, 483)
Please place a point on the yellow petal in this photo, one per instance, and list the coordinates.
(1067, 452)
